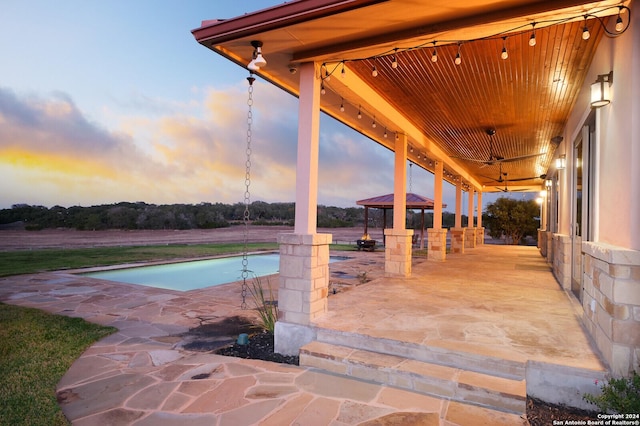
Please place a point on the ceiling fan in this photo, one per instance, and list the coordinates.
(497, 159)
(503, 178)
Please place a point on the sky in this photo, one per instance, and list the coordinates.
(109, 101)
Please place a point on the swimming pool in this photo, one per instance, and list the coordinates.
(185, 276)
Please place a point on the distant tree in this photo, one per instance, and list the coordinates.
(513, 219)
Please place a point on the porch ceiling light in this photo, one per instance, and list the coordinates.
(258, 60)
(600, 93)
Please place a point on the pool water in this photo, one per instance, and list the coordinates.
(196, 274)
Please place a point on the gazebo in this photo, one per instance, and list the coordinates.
(385, 202)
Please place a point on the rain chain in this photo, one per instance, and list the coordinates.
(247, 196)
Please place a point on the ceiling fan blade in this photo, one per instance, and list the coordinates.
(518, 158)
(528, 178)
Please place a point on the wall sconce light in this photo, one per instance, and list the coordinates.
(561, 162)
(600, 93)
(257, 60)
(548, 183)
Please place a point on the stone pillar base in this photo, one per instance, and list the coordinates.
(437, 244)
(289, 338)
(304, 277)
(397, 252)
(457, 240)
(479, 236)
(470, 237)
(562, 260)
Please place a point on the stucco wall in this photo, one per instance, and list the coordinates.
(617, 141)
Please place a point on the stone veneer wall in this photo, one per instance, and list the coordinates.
(479, 236)
(561, 265)
(437, 244)
(397, 252)
(304, 277)
(470, 237)
(542, 242)
(457, 240)
(611, 304)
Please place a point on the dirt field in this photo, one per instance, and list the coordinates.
(67, 238)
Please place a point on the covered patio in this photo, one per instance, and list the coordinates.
(488, 96)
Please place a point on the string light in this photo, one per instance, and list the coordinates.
(374, 125)
(374, 72)
(385, 133)
(322, 91)
(585, 30)
(619, 24)
(532, 39)
(504, 54)
(342, 105)
(359, 112)
(458, 59)
(620, 27)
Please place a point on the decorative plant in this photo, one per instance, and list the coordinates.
(266, 305)
(620, 396)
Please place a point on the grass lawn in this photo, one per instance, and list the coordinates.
(36, 349)
(34, 261)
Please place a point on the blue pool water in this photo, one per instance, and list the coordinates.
(196, 274)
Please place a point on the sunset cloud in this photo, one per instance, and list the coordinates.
(54, 152)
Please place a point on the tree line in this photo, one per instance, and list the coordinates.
(511, 219)
(140, 215)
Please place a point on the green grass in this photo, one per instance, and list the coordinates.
(34, 261)
(36, 349)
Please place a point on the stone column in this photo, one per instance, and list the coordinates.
(397, 252)
(479, 227)
(457, 240)
(470, 231)
(436, 236)
(436, 244)
(397, 241)
(304, 255)
(303, 290)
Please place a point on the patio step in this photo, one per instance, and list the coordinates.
(450, 356)
(505, 394)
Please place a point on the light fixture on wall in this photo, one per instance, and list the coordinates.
(561, 162)
(257, 60)
(600, 93)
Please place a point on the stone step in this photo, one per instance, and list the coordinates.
(418, 376)
(445, 354)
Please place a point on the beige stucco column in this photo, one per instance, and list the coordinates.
(457, 232)
(470, 231)
(479, 227)
(397, 248)
(304, 255)
(437, 237)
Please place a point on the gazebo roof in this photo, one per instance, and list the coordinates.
(414, 201)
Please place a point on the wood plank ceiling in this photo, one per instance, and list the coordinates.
(525, 98)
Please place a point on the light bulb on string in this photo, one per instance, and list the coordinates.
(394, 59)
(322, 90)
(532, 39)
(343, 73)
(434, 55)
(619, 24)
(585, 30)
(385, 133)
(504, 54)
(374, 125)
(342, 105)
(458, 59)
(359, 113)
(374, 71)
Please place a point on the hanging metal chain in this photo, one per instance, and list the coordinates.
(247, 196)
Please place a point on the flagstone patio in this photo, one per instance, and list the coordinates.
(498, 304)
